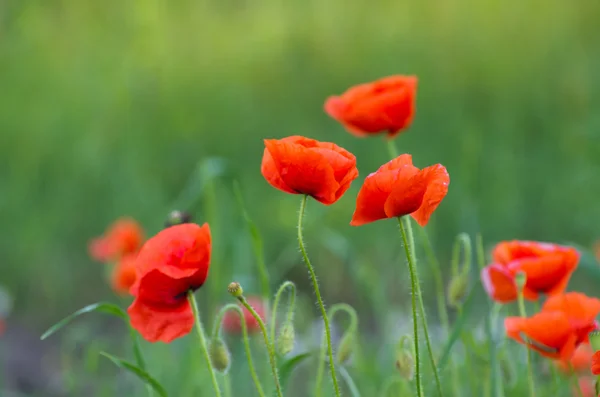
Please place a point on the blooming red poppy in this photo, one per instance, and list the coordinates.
(563, 323)
(399, 188)
(231, 320)
(579, 362)
(169, 265)
(596, 363)
(384, 105)
(124, 274)
(123, 237)
(300, 165)
(548, 268)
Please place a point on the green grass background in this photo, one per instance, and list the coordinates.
(107, 108)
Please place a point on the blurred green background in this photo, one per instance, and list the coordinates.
(108, 109)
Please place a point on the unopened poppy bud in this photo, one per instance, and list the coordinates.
(457, 290)
(405, 363)
(178, 217)
(595, 340)
(235, 289)
(520, 280)
(287, 336)
(346, 347)
(219, 355)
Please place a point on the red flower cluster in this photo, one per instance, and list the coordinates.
(548, 268)
(232, 323)
(170, 264)
(385, 105)
(563, 323)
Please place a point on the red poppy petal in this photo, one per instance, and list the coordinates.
(342, 163)
(550, 329)
(304, 170)
(499, 283)
(437, 187)
(161, 323)
(270, 172)
(372, 196)
(404, 160)
(408, 193)
(581, 309)
(596, 363)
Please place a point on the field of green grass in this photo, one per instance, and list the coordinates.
(139, 107)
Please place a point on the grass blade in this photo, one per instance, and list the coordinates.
(102, 307)
(140, 373)
(286, 369)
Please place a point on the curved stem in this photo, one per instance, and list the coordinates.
(462, 241)
(411, 250)
(215, 334)
(202, 339)
(313, 277)
(291, 305)
(414, 293)
(349, 381)
(352, 327)
(270, 348)
(523, 313)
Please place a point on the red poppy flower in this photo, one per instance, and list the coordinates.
(231, 321)
(579, 362)
(300, 165)
(399, 188)
(123, 274)
(548, 268)
(123, 237)
(169, 265)
(563, 323)
(586, 388)
(596, 363)
(384, 105)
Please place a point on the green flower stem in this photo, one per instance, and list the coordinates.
(291, 306)
(226, 385)
(391, 146)
(313, 277)
(270, 348)
(523, 313)
(411, 250)
(352, 327)
(414, 293)
(202, 340)
(575, 380)
(215, 334)
(349, 382)
(389, 385)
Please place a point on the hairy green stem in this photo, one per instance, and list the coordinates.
(202, 340)
(269, 345)
(291, 305)
(411, 250)
(313, 277)
(215, 334)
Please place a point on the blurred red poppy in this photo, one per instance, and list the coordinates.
(169, 265)
(548, 268)
(399, 188)
(563, 323)
(123, 274)
(125, 236)
(596, 363)
(384, 105)
(587, 387)
(231, 321)
(579, 362)
(300, 165)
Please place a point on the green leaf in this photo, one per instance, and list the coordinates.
(140, 373)
(286, 369)
(102, 307)
(456, 330)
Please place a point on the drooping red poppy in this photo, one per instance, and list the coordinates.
(563, 323)
(579, 362)
(231, 320)
(384, 105)
(300, 165)
(170, 264)
(124, 274)
(596, 363)
(548, 268)
(125, 236)
(399, 188)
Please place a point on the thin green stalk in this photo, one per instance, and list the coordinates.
(575, 381)
(523, 313)
(391, 382)
(270, 348)
(555, 377)
(391, 146)
(349, 381)
(313, 277)
(202, 340)
(246, 339)
(291, 305)
(411, 250)
(414, 293)
(226, 385)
